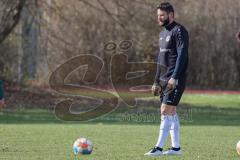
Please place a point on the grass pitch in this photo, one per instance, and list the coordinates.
(210, 131)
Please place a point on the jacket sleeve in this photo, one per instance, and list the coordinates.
(158, 72)
(182, 40)
(1, 90)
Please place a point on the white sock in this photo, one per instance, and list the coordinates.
(165, 126)
(174, 132)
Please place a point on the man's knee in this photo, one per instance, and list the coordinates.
(168, 109)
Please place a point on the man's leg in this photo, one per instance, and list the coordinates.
(167, 117)
(169, 122)
(172, 101)
(175, 132)
(175, 137)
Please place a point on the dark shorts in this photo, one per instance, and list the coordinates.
(174, 97)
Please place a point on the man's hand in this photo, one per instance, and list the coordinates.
(171, 84)
(238, 36)
(2, 104)
(156, 89)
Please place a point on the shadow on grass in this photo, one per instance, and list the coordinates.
(142, 114)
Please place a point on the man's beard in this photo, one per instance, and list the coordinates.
(165, 22)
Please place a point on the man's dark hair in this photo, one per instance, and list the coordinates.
(166, 6)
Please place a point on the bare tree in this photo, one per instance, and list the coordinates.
(73, 27)
(10, 13)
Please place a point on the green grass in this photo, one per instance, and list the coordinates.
(220, 101)
(210, 130)
(54, 141)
